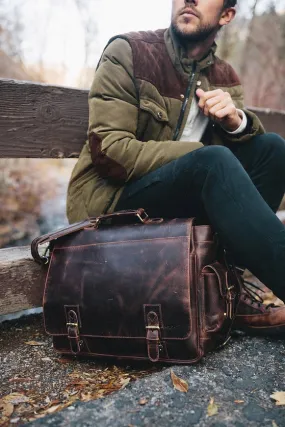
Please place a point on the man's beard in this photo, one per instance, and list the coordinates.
(201, 34)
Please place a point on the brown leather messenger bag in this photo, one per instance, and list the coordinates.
(150, 289)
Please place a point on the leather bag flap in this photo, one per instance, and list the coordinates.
(113, 276)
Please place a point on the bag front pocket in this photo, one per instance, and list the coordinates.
(215, 301)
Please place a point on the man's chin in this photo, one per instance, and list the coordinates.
(192, 33)
(186, 29)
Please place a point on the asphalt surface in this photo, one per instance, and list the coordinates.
(240, 378)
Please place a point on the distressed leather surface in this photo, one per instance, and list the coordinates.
(138, 291)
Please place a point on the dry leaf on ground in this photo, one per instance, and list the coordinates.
(279, 396)
(274, 424)
(6, 409)
(15, 398)
(52, 409)
(212, 408)
(125, 382)
(143, 401)
(178, 383)
(35, 343)
(239, 401)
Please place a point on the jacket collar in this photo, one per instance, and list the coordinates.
(179, 58)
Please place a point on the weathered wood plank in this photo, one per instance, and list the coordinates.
(43, 121)
(273, 120)
(21, 280)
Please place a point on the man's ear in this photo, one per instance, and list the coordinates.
(227, 16)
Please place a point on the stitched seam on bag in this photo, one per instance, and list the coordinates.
(44, 294)
(197, 305)
(218, 326)
(132, 357)
(187, 276)
(118, 337)
(122, 241)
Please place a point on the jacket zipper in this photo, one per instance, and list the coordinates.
(188, 91)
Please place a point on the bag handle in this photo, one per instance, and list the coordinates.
(140, 214)
(92, 222)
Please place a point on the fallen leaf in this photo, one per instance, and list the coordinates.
(212, 408)
(239, 401)
(178, 383)
(52, 409)
(35, 343)
(274, 424)
(143, 401)
(6, 409)
(125, 382)
(86, 397)
(279, 396)
(15, 398)
(46, 359)
(77, 383)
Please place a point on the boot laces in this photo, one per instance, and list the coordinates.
(253, 296)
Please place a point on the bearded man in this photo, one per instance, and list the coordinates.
(168, 132)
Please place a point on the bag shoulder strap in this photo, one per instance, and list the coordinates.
(45, 238)
(89, 222)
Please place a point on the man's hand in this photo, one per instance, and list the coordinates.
(218, 106)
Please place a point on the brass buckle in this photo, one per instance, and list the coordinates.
(144, 218)
(94, 223)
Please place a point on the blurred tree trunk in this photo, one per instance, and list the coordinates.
(244, 59)
(90, 34)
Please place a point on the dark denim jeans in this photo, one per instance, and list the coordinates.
(237, 190)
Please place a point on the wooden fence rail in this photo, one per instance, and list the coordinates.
(43, 121)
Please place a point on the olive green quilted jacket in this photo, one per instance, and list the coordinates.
(138, 106)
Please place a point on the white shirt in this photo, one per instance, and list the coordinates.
(196, 124)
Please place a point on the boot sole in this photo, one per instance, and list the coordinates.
(272, 331)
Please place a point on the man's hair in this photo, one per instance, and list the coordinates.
(229, 3)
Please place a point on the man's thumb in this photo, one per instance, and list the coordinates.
(200, 93)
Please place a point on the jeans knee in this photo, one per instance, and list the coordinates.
(273, 143)
(216, 154)
(276, 142)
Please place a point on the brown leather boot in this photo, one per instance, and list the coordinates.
(260, 312)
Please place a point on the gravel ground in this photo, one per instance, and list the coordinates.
(45, 380)
(240, 378)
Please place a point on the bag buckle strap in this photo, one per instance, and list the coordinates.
(153, 336)
(73, 334)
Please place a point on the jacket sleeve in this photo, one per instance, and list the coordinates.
(113, 118)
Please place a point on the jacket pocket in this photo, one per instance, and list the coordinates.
(153, 121)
